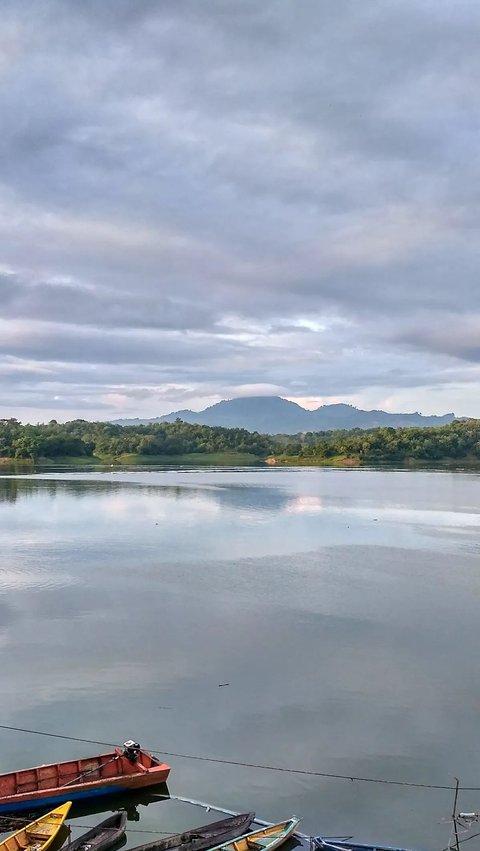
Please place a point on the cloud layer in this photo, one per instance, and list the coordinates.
(201, 200)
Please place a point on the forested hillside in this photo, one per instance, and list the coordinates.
(80, 438)
(459, 441)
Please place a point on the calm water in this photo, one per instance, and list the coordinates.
(340, 606)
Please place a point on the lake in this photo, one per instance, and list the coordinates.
(319, 619)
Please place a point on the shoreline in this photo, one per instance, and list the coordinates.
(232, 459)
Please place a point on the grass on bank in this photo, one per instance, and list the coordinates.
(220, 459)
(235, 459)
(468, 462)
(312, 461)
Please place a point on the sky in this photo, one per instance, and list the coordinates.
(205, 199)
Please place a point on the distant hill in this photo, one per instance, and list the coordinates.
(274, 415)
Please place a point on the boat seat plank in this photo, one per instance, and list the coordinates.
(41, 831)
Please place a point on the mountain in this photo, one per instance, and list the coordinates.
(274, 415)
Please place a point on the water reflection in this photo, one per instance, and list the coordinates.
(234, 496)
(341, 609)
(122, 517)
(86, 814)
(132, 802)
(12, 489)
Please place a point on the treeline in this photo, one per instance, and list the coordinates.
(79, 438)
(458, 440)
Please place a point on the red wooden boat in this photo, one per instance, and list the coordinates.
(122, 770)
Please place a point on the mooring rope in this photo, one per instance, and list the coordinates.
(261, 766)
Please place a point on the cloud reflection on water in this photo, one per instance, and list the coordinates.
(344, 649)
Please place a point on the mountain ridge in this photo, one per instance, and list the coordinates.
(276, 415)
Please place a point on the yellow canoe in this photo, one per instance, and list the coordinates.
(265, 839)
(39, 834)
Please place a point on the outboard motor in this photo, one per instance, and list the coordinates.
(131, 750)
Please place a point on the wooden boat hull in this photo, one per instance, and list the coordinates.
(103, 836)
(76, 780)
(204, 837)
(39, 834)
(321, 843)
(265, 839)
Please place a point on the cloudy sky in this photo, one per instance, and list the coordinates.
(202, 199)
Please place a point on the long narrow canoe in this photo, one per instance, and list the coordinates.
(204, 837)
(39, 834)
(121, 770)
(261, 840)
(323, 843)
(102, 836)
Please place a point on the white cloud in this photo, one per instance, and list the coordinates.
(197, 204)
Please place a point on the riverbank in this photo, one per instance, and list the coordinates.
(214, 459)
(299, 461)
(467, 463)
(82, 443)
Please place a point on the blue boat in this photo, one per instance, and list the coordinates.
(323, 843)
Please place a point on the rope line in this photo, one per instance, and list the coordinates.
(90, 771)
(467, 839)
(6, 828)
(262, 766)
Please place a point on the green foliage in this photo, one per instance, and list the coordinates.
(459, 440)
(80, 438)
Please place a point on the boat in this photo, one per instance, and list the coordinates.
(121, 770)
(102, 836)
(204, 837)
(261, 840)
(323, 843)
(39, 834)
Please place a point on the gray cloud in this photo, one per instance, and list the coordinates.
(88, 305)
(459, 337)
(195, 198)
